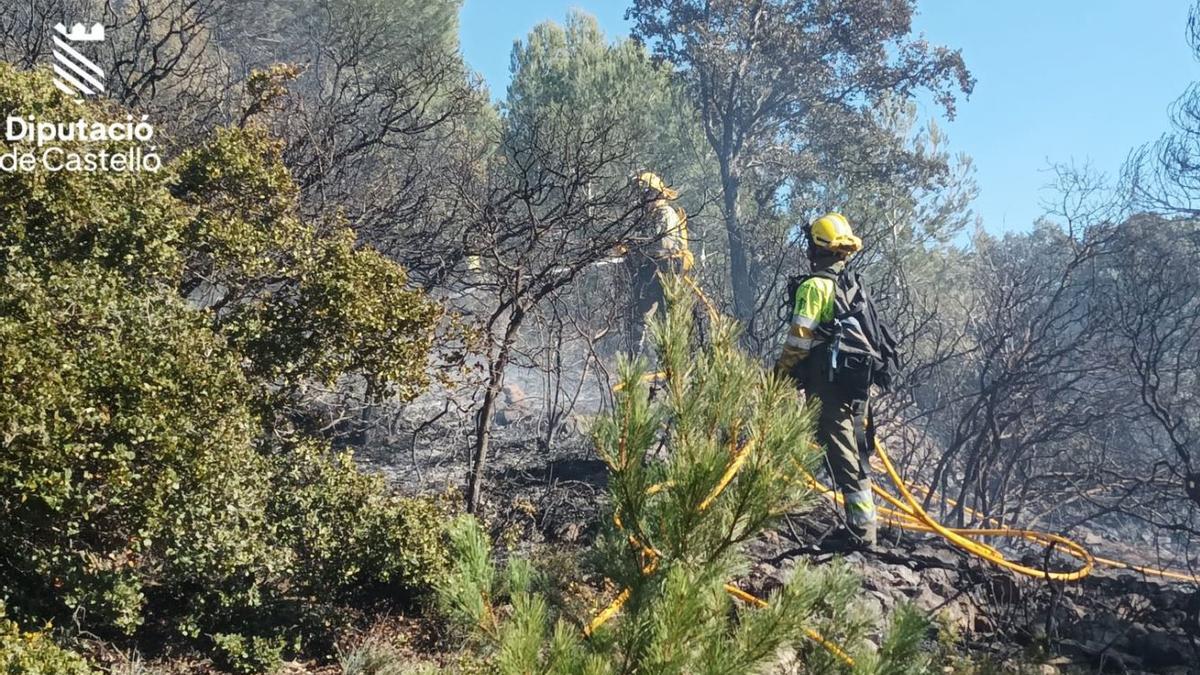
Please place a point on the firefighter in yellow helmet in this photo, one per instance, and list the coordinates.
(831, 243)
(666, 251)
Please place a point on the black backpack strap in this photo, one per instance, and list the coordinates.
(789, 302)
(864, 431)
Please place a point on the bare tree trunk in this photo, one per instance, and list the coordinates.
(739, 268)
(487, 412)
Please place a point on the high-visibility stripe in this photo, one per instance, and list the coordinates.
(799, 342)
(804, 322)
(860, 507)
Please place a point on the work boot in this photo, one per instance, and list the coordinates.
(845, 539)
(869, 533)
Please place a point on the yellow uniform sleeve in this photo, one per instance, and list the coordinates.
(814, 306)
(671, 235)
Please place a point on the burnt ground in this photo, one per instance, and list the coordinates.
(1112, 621)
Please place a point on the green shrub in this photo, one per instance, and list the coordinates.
(141, 467)
(34, 653)
(128, 461)
(122, 221)
(345, 308)
(248, 655)
(130, 475)
(348, 533)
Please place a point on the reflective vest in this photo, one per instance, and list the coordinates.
(814, 305)
(673, 235)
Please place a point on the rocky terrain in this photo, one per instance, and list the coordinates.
(1112, 621)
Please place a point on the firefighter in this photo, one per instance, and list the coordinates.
(666, 251)
(806, 359)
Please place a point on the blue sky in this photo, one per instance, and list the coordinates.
(1058, 80)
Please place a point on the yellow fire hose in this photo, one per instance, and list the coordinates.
(906, 513)
(909, 514)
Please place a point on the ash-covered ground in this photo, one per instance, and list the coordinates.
(551, 496)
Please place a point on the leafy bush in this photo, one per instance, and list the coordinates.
(129, 430)
(345, 309)
(128, 460)
(247, 655)
(126, 222)
(34, 653)
(349, 534)
(154, 330)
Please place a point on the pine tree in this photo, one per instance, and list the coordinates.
(698, 468)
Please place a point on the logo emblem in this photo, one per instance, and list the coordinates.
(77, 75)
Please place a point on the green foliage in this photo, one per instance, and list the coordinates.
(350, 536)
(784, 91)
(464, 595)
(716, 408)
(125, 222)
(128, 459)
(607, 87)
(248, 655)
(152, 329)
(339, 310)
(34, 653)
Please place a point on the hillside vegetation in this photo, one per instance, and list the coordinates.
(346, 385)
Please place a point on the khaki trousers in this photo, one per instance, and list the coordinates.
(849, 468)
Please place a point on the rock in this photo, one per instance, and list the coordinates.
(1136, 632)
(928, 556)
(928, 600)
(877, 604)
(958, 614)
(1101, 654)
(938, 580)
(904, 575)
(1135, 604)
(1004, 588)
(1160, 649)
(569, 532)
(983, 624)
(1071, 610)
(767, 572)
(1175, 618)
(856, 560)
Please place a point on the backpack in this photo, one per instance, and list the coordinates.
(858, 349)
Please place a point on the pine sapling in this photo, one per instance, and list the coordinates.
(703, 458)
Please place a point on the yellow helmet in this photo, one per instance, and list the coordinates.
(832, 232)
(651, 181)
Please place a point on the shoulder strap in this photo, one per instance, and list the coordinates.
(825, 274)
